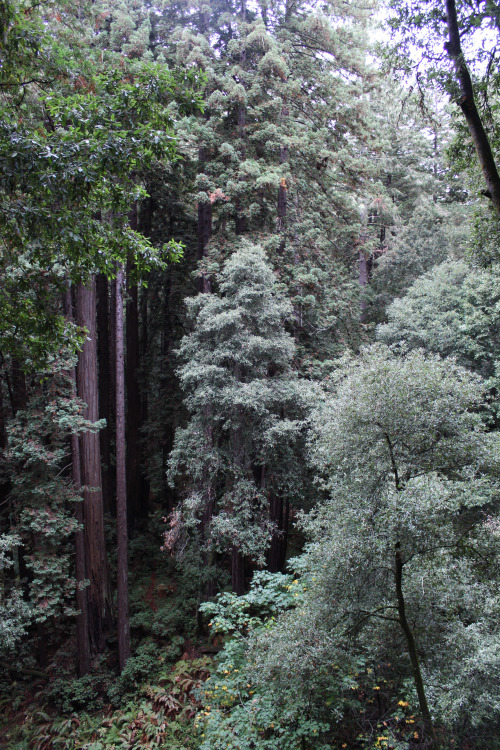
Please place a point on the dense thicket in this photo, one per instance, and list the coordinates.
(249, 375)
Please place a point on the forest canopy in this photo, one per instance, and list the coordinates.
(249, 373)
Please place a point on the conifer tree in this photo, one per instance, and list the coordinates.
(241, 446)
(281, 150)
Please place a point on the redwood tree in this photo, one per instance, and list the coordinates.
(121, 481)
(98, 592)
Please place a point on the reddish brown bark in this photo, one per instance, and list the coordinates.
(98, 592)
(135, 489)
(282, 197)
(121, 483)
(82, 625)
(365, 268)
(105, 395)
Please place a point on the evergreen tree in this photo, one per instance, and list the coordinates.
(393, 593)
(73, 133)
(242, 444)
(281, 150)
(451, 311)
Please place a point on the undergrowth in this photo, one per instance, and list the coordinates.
(160, 716)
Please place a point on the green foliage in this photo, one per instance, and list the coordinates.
(453, 311)
(239, 709)
(401, 416)
(15, 613)
(410, 468)
(406, 460)
(163, 594)
(41, 501)
(421, 29)
(247, 408)
(72, 157)
(158, 717)
(285, 121)
(430, 236)
(401, 440)
(77, 694)
(270, 593)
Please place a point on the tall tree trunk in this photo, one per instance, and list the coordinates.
(98, 592)
(135, 489)
(145, 225)
(137, 501)
(208, 512)
(82, 621)
(168, 428)
(237, 572)
(105, 409)
(241, 118)
(365, 267)
(144, 309)
(468, 106)
(282, 191)
(121, 484)
(412, 650)
(279, 512)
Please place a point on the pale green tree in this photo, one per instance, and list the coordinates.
(402, 563)
(453, 311)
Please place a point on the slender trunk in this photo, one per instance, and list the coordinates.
(237, 572)
(204, 234)
(365, 266)
(168, 431)
(135, 490)
(468, 106)
(282, 192)
(206, 520)
(412, 650)
(240, 219)
(82, 625)
(98, 593)
(82, 620)
(108, 488)
(239, 462)
(121, 483)
(145, 484)
(279, 512)
(281, 222)
(112, 369)
(145, 226)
